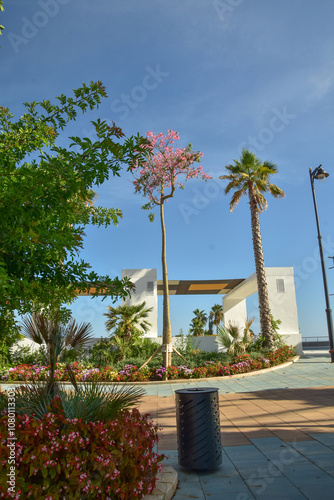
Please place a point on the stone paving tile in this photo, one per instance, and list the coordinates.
(259, 468)
(280, 488)
(241, 452)
(324, 461)
(303, 475)
(219, 486)
(325, 438)
(309, 448)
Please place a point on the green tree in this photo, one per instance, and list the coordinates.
(9, 335)
(129, 323)
(45, 201)
(250, 176)
(196, 327)
(217, 315)
(127, 320)
(198, 323)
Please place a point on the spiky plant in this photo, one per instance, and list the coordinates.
(56, 336)
(89, 401)
(232, 339)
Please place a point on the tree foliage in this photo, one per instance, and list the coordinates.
(157, 179)
(45, 194)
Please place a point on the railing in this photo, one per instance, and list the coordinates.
(318, 339)
(315, 341)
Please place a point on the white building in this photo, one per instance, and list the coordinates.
(281, 291)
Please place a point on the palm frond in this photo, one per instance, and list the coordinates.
(233, 330)
(77, 335)
(33, 398)
(223, 337)
(93, 402)
(276, 191)
(236, 199)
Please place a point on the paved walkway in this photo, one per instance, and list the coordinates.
(277, 434)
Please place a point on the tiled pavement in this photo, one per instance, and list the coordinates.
(277, 434)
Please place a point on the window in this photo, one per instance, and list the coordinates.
(280, 286)
(150, 288)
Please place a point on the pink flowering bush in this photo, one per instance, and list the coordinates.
(59, 458)
(130, 373)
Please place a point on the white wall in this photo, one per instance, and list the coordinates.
(140, 278)
(283, 303)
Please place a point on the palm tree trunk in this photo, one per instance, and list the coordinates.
(166, 329)
(264, 308)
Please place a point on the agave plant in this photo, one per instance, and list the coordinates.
(235, 341)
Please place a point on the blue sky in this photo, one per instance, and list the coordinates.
(224, 74)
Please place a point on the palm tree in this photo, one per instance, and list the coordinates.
(127, 320)
(201, 315)
(217, 315)
(90, 401)
(56, 337)
(198, 323)
(249, 176)
(196, 327)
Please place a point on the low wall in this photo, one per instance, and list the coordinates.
(210, 343)
(206, 343)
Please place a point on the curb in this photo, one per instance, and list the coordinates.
(179, 380)
(165, 486)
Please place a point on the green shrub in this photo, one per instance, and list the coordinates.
(61, 458)
(102, 353)
(24, 355)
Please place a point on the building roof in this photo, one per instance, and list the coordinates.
(189, 287)
(199, 287)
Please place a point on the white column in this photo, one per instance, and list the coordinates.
(145, 281)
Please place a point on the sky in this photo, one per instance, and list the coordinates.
(224, 74)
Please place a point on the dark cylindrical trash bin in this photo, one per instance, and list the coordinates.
(198, 428)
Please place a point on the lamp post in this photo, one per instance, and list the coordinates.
(320, 174)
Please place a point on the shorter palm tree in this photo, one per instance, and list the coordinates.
(56, 337)
(196, 327)
(217, 315)
(90, 401)
(128, 320)
(198, 322)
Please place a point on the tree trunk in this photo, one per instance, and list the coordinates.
(166, 329)
(264, 308)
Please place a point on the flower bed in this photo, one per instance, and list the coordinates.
(130, 373)
(62, 458)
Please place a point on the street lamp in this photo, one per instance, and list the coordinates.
(320, 174)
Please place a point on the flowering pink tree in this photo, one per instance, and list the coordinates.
(157, 180)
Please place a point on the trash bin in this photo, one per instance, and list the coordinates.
(198, 428)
